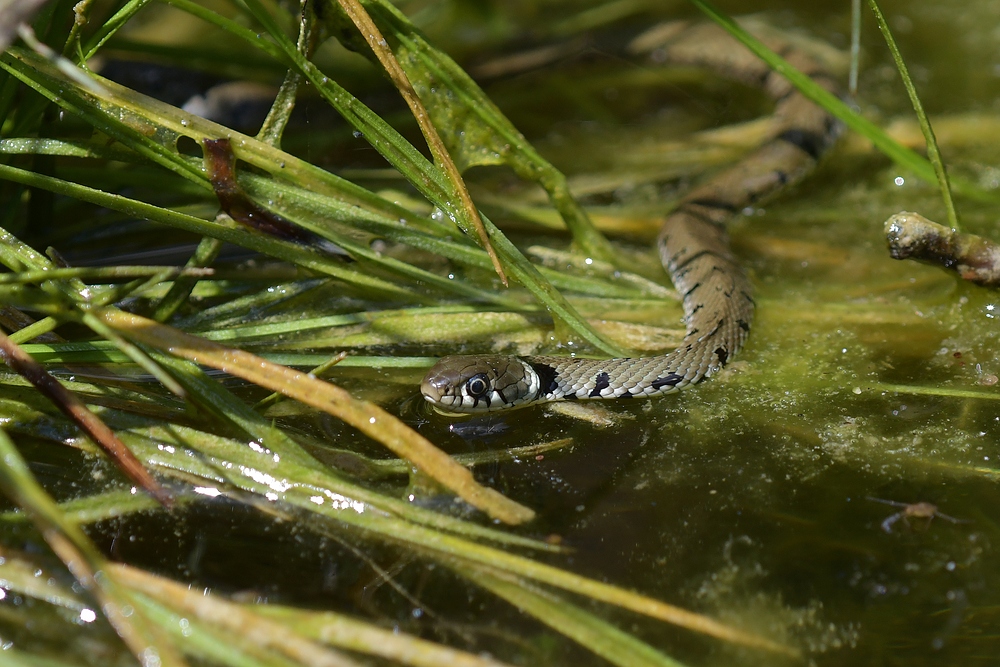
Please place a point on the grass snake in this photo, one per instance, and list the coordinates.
(693, 245)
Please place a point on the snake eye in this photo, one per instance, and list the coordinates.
(477, 385)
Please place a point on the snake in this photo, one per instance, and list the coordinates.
(693, 244)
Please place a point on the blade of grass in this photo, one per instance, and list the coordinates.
(134, 353)
(370, 32)
(599, 636)
(317, 371)
(142, 399)
(19, 658)
(243, 623)
(19, 574)
(98, 507)
(112, 25)
(108, 273)
(280, 113)
(291, 252)
(283, 622)
(207, 251)
(234, 310)
(101, 352)
(209, 643)
(950, 392)
(474, 128)
(314, 212)
(925, 126)
(43, 146)
(352, 634)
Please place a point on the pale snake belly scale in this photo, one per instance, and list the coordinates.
(694, 249)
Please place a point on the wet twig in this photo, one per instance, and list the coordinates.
(912, 236)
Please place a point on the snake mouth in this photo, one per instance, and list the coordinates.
(442, 408)
(439, 404)
(435, 392)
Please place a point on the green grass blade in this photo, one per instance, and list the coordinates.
(291, 252)
(112, 25)
(918, 108)
(597, 635)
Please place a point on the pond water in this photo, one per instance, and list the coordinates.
(779, 496)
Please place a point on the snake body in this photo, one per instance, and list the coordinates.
(693, 246)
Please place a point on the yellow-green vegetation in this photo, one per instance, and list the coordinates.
(328, 517)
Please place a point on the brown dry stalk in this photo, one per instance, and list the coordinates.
(366, 26)
(70, 405)
(365, 416)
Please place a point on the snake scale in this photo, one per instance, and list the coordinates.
(693, 245)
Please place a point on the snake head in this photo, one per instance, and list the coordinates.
(480, 383)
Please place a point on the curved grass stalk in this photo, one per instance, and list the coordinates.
(477, 132)
(376, 42)
(925, 126)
